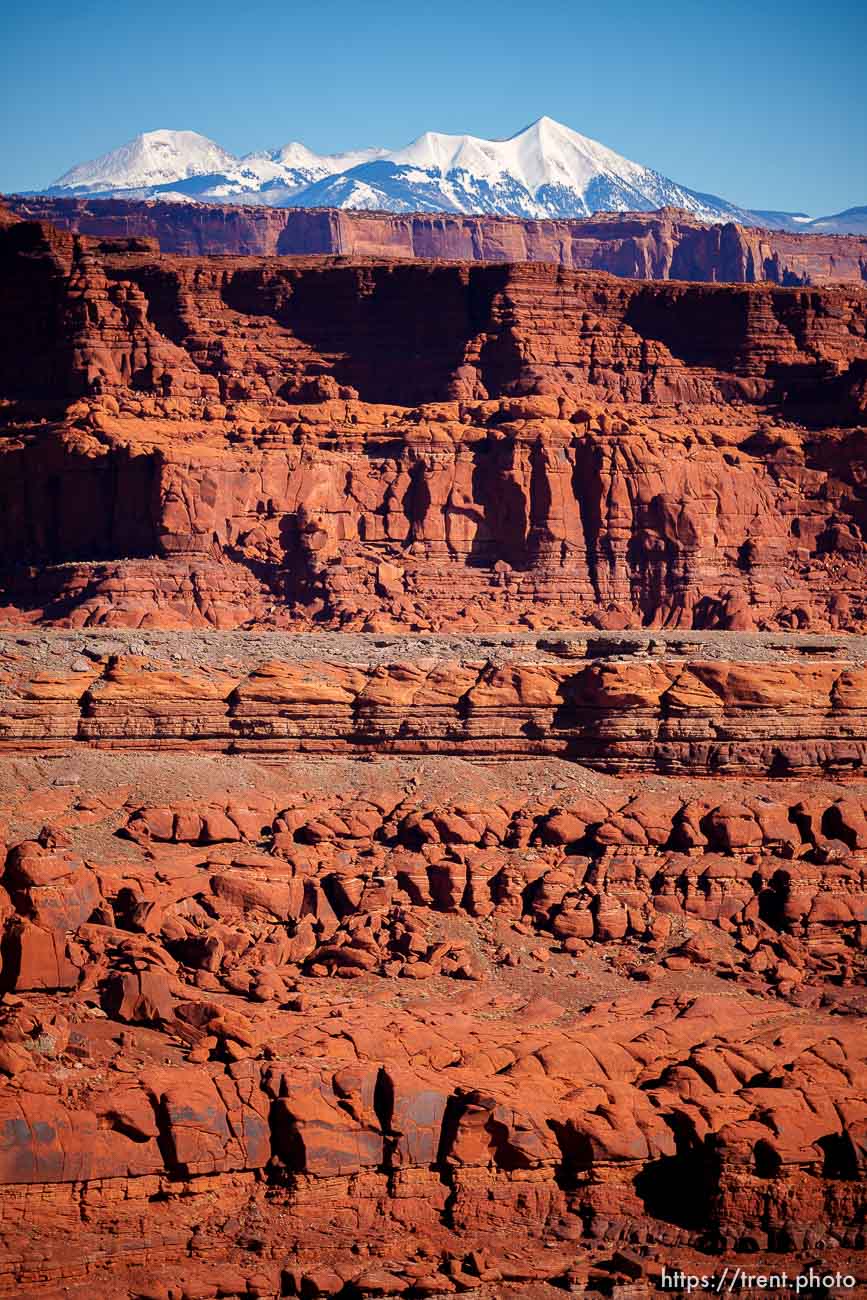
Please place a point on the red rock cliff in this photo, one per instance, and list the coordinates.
(319, 438)
(663, 245)
(420, 963)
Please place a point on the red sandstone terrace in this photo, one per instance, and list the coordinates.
(433, 725)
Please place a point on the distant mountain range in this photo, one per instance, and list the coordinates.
(546, 170)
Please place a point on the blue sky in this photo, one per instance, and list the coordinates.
(763, 103)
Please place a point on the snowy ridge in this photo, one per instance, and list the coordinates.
(545, 170)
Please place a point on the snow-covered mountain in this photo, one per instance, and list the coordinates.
(151, 160)
(184, 164)
(546, 170)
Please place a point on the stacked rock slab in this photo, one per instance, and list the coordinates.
(433, 722)
(670, 712)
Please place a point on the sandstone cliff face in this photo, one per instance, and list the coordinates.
(322, 440)
(664, 245)
(367, 950)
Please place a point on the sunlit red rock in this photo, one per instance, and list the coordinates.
(433, 720)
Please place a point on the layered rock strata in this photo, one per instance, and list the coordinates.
(663, 245)
(389, 444)
(405, 957)
(668, 714)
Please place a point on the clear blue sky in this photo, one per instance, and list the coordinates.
(763, 103)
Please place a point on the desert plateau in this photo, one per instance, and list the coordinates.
(433, 743)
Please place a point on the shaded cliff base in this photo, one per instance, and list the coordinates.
(511, 514)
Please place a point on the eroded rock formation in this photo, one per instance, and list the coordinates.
(322, 1028)
(388, 444)
(613, 712)
(433, 720)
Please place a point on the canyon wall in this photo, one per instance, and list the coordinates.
(433, 724)
(380, 444)
(663, 245)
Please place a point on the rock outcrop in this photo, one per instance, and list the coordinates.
(381, 444)
(663, 245)
(672, 713)
(433, 725)
(243, 1033)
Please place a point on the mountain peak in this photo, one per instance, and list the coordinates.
(545, 170)
(293, 154)
(548, 132)
(539, 126)
(151, 158)
(167, 135)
